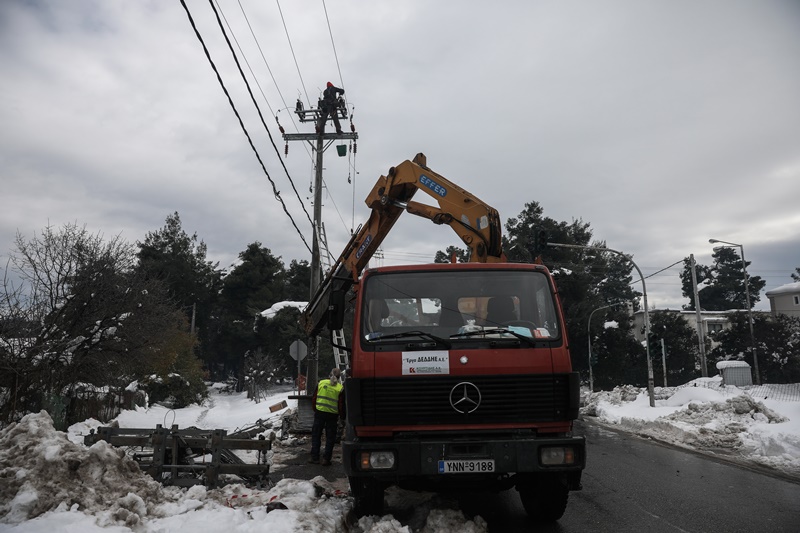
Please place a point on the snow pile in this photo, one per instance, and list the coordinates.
(50, 481)
(42, 470)
(704, 419)
(436, 520)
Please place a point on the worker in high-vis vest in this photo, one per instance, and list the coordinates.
(328, 408)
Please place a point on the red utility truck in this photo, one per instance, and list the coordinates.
(460, 375)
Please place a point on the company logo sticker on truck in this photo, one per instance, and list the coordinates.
(363, 246)
(426, 363)
(432, 185)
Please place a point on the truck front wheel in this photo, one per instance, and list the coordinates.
(544, 498)
(367, 495)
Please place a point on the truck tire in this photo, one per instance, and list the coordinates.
(367, 496)
(545, 499)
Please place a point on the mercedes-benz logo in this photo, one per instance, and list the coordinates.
(465, 397)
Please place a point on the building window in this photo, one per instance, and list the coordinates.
(713, 328)
(796, 300)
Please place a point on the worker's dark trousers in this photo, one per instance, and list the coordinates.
(329, 111)
(328, 422)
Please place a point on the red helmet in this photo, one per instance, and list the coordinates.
(330, 84)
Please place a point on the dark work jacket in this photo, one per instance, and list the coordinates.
(329, 96)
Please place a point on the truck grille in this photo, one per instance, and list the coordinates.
(426, 400)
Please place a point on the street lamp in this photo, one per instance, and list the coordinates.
(650, 385)
(589, 336)
(747, 299)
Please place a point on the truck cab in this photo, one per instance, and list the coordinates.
(461, 379)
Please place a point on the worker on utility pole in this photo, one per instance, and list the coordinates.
(329, 106)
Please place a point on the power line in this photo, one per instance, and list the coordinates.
(245, 57)
(303, 83)
(264, 58)
(293, 56)
(662, 270)
(241, 123)
(255, 103)
(333, 44)
(335, 207)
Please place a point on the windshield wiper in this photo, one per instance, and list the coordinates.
(493, 331)
(415, 333)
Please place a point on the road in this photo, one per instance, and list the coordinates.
(633, 484)
(630, 485)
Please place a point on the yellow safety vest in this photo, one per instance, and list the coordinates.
(328, 396)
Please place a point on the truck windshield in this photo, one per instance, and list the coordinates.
(460, 306)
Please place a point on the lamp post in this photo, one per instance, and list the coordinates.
(747, 299)
(650, 380)
(589, 336)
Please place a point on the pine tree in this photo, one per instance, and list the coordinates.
(723, 286)
(252, 286)
(179, 261)
(587, 279)
(680, 343)
(462, 255)
(298, 281)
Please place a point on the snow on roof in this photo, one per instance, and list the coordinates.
(789, 288)
(731, 364)
(272, 311)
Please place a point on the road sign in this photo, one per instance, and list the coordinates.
(298, 350)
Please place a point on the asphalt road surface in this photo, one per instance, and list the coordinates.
(630, 484)
(637, 485)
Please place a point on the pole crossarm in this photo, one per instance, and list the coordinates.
(314, 136)
(650, 380)
(314, 114)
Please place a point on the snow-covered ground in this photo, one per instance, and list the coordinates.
(52, 482)
(759, 424)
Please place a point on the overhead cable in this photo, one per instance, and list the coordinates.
(245, 57)
(659, 271)
(261, 116)
(333, 44)
(241, 123)
(308, 100)
(266, 64)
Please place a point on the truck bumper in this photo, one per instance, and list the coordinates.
(418, 460)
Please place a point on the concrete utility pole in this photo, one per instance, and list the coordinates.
(701, 336)
(319, 143)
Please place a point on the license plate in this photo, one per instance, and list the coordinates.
(469, 466)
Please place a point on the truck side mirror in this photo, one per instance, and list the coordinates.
(336, 310)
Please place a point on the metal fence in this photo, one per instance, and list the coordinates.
(786, 392)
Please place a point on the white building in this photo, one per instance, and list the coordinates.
(785, 300)
(712, 322)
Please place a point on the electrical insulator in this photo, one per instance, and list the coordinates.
(355, 147)
(286, 150)
(352, 127)
(281, 128)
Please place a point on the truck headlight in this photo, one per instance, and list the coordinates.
(377, 460)
(557, 455)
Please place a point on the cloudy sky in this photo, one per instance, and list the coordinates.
(662, 124)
